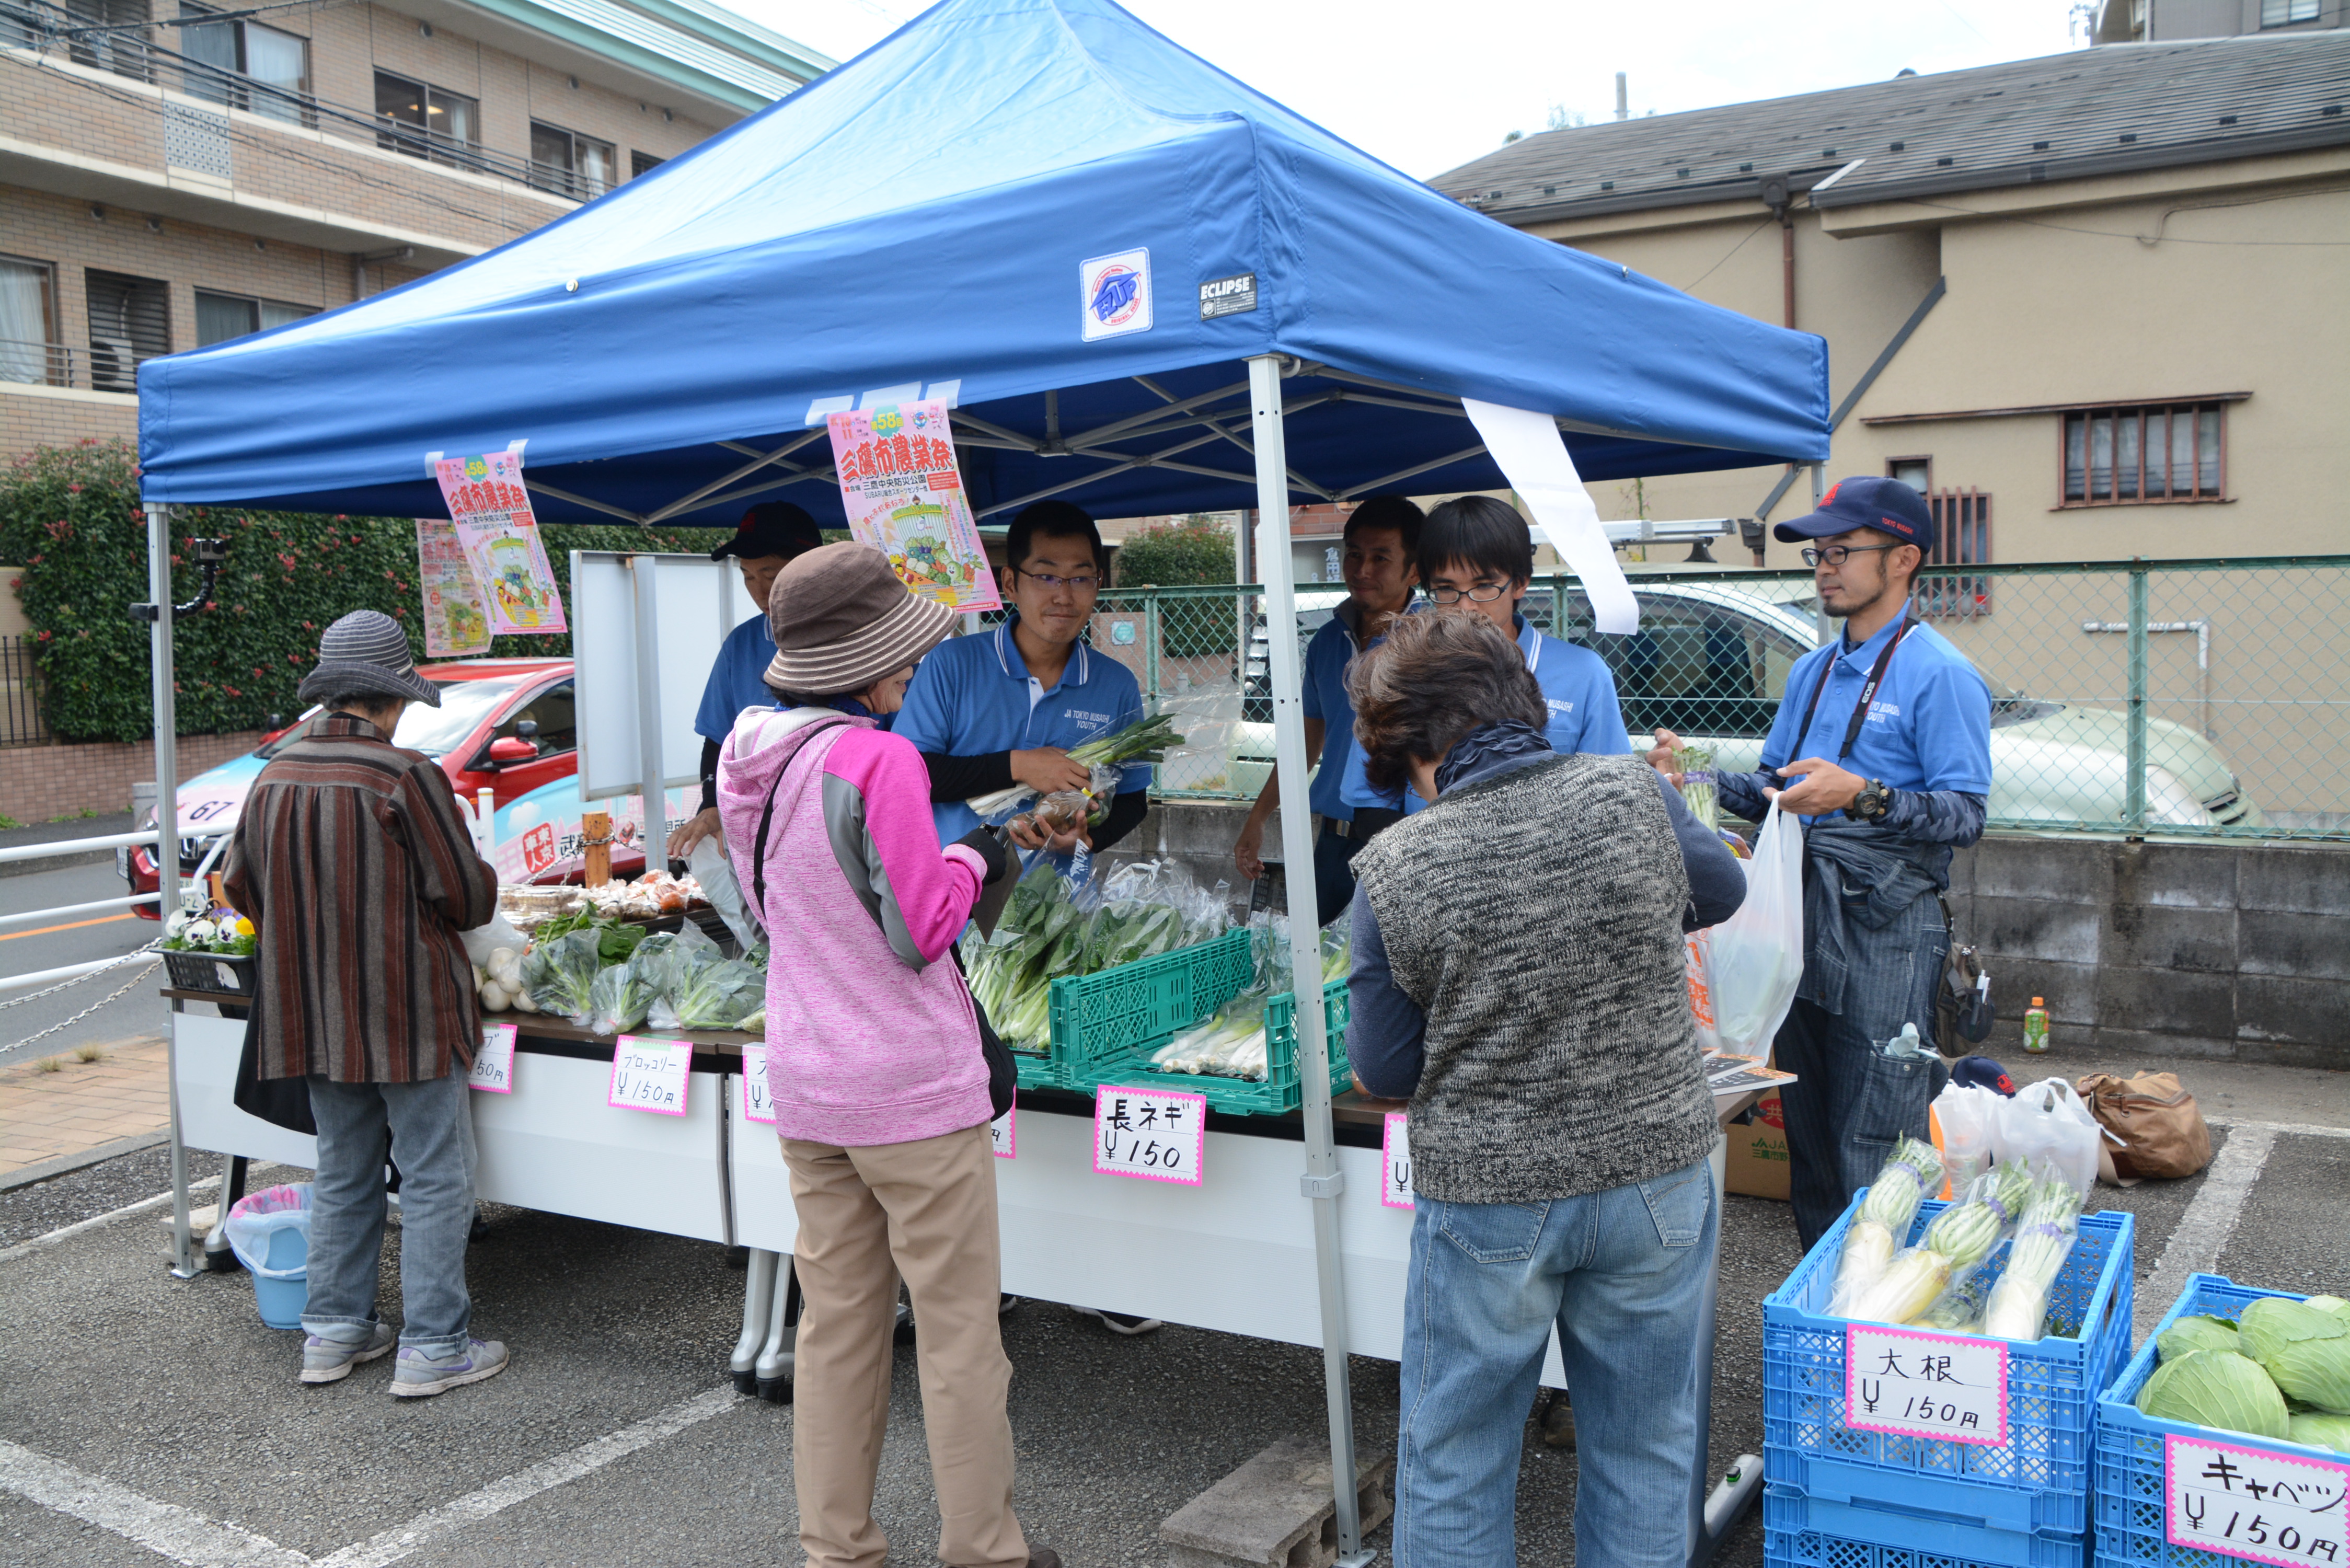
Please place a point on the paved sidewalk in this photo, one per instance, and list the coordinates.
(83, 1106)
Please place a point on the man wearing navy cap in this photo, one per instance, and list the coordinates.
(769, 535)
(1882, 747)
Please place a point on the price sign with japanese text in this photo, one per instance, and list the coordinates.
(1152, 1133)
(493, 1071)
(1004, 1133)
(1923, 1385)
(650, 1076)
(2265, 1507)
(1395, 1162)
(756, 1105)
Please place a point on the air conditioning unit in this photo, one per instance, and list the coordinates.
(113, 364)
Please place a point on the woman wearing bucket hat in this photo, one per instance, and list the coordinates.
(883, 1074)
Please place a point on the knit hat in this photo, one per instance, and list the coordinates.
(842, 621)
(366, 651)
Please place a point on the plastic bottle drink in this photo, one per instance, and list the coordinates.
(2035, 1027)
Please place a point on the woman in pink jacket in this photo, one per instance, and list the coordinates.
(882, 1083)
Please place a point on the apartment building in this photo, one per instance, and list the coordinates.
(2168, 21)
(168, 180)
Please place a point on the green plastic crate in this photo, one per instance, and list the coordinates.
(1147, 1002)
(1282, 1090)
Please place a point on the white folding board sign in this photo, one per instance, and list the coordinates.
(696, 602)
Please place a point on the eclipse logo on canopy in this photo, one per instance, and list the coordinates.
(1114, 292)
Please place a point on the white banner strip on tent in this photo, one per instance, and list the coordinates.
(1533, 458)
(882, 397)
(824, 407)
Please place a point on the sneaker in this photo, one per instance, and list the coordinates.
(1004, 1303)
(1558, 1423)
(420, 1377)
(1121, 1323)
(331, 1360)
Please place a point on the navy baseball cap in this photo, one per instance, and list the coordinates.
(1982, 1072)
(1886, 506)
(771, 528)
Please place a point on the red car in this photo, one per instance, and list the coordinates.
(503, 723)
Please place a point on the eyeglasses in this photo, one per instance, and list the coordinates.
(1834, 555)
(1047, 581)
(1482, 594)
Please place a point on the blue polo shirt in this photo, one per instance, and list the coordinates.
(1929, 727)
(737, 680)
(1577, 686)
(1328, 654)
(974, 695)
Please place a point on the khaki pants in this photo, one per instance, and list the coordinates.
(925, 1210)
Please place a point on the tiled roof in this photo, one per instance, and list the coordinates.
(2093, 112)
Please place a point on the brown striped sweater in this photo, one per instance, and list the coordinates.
(357, 870)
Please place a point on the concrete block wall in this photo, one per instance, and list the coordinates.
(38, 783)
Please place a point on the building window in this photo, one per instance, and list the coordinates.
(123, 49)
(426, 121)
(221, 317)
(129, 321)
(1961, 537)
(2161, 453)
(569, 164)
(1916, 473)
(2287, 13)
(243, 65)
(643, 163)
(29, 349)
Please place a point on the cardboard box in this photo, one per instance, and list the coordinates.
(1757, 1154)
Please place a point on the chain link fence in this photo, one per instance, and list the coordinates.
(2199, 699)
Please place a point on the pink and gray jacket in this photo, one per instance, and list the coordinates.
(871, 1038)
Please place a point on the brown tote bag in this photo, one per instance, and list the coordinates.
(2160, 1131)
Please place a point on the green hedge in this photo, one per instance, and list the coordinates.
(1183, 553)
(71, 524)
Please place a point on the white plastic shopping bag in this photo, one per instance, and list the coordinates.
(257, 1216)
(2046, 1121)
(1754, 960)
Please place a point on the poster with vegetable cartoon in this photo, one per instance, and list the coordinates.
(455, 625)
(904, 496)
(492, 513)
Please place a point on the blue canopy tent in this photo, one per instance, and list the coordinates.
(1143, 286)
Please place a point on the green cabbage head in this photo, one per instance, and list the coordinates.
(2321, 1431)
(2193, 1333)
(2305, 1348)
(2216, 1388)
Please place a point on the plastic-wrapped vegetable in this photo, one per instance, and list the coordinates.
(557, 975)
(1955, 1244)
(616, 1000)
(2018, 1308)
(666, 962)
(716, 996)
(1914, 1171)
(1695, 764)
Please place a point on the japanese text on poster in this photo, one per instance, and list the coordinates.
(493, 1070)
(758, 1106)
(1152, 1133)
(650, 1075)
(2241, 1502)
(455, 624)
(904, 496)
(1395, 1162)
(1942, 1386)
(494, 525)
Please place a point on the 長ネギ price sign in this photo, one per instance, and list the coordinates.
(2264, 1507)
(1395, 1161)
(1152, 1133)
(1922, 1384)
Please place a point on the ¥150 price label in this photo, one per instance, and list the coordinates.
(650, 1076)
(1947, 1387)
(2263, 1507)
(493, 1069)
(1395, 1162)
(758, 1106)
(1150, 1134)
(1004, 1132)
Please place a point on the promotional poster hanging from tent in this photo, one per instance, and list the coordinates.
(500, 535)
(455, 624)
(904, 496)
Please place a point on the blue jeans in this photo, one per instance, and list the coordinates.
(430, 1130)
(1623, 1274)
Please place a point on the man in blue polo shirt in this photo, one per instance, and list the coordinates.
(1381, 568)
(1882, 747)
(1004, 706)
(1477, 557)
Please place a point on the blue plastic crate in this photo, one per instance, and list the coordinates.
(2037, 1481)
(1788, 1543)
(2130, 1445)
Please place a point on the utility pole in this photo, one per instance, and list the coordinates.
(1623, 98)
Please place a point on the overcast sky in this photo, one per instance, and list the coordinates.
(1430, 85)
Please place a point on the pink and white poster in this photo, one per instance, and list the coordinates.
(455, 625)
(499, 533)
(904, 497)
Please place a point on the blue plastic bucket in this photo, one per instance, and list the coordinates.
(283, 1301)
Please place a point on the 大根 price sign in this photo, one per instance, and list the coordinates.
(2242, 1502)
(1925, 1384)
(1149, 1133)
(650, 1075)
(1395, 1162)
(493, 1070)
(1004, 1132)
(757, 1107)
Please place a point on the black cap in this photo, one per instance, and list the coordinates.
(771, 528)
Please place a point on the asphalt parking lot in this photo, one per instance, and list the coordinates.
(153, 1420)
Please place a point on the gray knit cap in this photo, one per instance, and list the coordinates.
(366, 651)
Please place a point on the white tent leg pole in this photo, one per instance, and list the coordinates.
(653, 793)
(1322, 1180)
(166, 848)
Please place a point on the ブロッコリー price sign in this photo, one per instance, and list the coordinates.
(757, 1105)
(2266, 1507)
(493, 1069)
(1152, 1133)
(1004, 1132)
(650, 1076)
(1922, 1384)
(1395, 1162)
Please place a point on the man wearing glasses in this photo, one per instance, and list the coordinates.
(1882, 746)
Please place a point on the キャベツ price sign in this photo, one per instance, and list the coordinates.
(2264, 1507)
(1923, 1385)
(1153, 1133)
(650, 1076)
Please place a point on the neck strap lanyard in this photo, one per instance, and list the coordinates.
(1868, 691)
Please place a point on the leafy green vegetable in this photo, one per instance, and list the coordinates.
(720, 995)
(2216, 1388)
(616, 1000)
(558, 974)
(2192, 1334)
(2322, 1431)
(2305, 1349)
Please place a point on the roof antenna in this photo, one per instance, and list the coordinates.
(1623, 99)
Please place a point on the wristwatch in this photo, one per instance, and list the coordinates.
(1871, 804)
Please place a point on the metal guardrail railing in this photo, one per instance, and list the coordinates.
(2196, 698)
(23, 851)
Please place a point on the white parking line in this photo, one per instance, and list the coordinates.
(2202, 1232)
(66, 1232)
